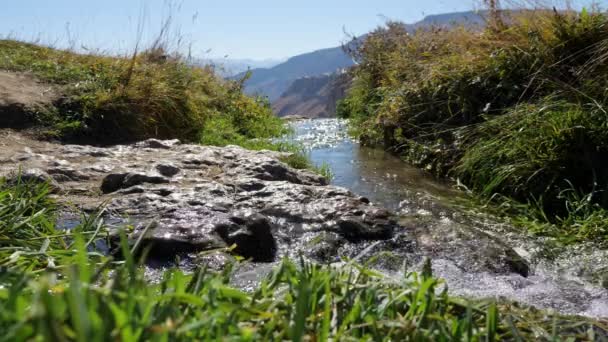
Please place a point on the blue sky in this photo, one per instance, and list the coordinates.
(256, 29)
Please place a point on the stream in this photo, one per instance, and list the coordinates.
(457, 238)
(202, 198)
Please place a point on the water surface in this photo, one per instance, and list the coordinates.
(565, 283)
(370, 172)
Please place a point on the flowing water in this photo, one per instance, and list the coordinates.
(455, 237)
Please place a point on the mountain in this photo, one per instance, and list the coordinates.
(469, 18)
(228, 67)
(313, 97)
(272, 82)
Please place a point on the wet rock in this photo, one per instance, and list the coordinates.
(250, 185)
(264, 168)
(251, 234)
(98, 153)
(31, 176)
(159, 144)
(204, 198)
(324, 247)
(469, 249)
(168, 248)
(355, 229)
(35, 176)
(116, 181)
(113, 182)
(167, 170)
(132, 190)
(514, 262)
(67, 174)
(364, 200)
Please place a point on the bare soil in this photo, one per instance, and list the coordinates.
(21, 95)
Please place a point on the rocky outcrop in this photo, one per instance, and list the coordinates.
(200, 198)
(189, 199)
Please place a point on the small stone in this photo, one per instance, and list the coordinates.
(112, 182)
(167, 170)
(158, 144)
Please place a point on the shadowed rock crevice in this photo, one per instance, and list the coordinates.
(117, 181)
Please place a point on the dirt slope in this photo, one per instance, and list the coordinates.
(20, 96)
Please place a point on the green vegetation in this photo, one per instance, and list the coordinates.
(29, 238)
(515, 111)
(54, 285)
(152, 94)
(299, 160)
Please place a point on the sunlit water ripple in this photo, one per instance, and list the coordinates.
(562, 284)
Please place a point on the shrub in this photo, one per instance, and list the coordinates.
(434, 80)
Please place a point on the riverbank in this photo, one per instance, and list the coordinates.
(459, 235)
(101, 100)
(515, 113)
(154, 93)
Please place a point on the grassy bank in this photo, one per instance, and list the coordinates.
(150, 94)
(515, 111)
(54, 285)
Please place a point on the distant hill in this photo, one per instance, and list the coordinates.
(273, 82)
(229, 67)
(470, 18)
(313, 97)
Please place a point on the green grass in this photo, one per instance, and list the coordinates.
(516, 112)
(29, 238)
(298, 159)
(151, 94)
(221, 132)
(63, 289)
(295, 302)
(551, 156)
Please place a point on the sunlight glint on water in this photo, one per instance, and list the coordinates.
(426, 202)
